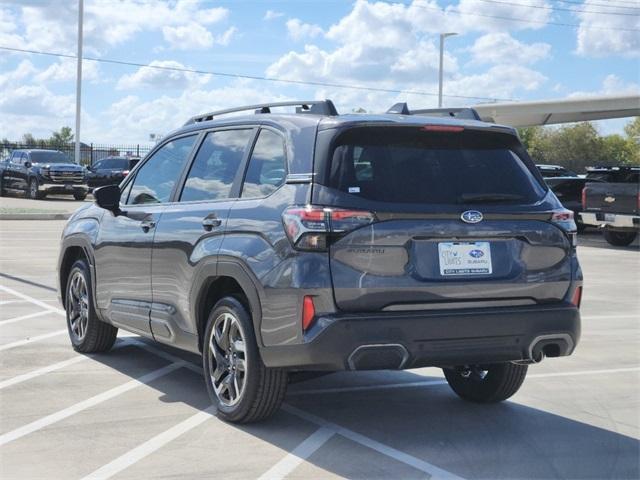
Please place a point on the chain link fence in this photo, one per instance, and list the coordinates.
(89, 153)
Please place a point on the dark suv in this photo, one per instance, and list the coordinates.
(110, 171)
(274, 243)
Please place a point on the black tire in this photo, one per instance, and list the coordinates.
(2, 192)
(80, 196)
(488, 383)
(261, 389)
(95, 335)
(32, 190)
(619, 239)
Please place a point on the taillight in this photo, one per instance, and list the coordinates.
(308, 312)
(584, 198)
(564, 219)
(125, 173)
(576, 298)
(312, 227)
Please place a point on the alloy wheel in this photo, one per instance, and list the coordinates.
(227, 359)
(78, 306)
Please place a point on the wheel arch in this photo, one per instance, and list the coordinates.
(74, 247)
(221, 279)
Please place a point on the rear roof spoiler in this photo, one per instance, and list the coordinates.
(464, 113)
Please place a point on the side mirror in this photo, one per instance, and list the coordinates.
(108, 197)
(27, 164)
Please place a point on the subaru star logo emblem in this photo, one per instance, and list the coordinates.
(471, 216)
(476, 253)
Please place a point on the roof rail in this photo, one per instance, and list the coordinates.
(316, 107)
(466, 112)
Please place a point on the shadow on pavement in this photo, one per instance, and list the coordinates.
(506, 440)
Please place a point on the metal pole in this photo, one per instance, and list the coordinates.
(440, 71)
(79, 81)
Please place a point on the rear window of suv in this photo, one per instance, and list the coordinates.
(411, 165)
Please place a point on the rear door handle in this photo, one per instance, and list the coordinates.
(147, 225)
(210, 222)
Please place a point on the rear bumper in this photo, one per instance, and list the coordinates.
(418, 339)
(615, 220)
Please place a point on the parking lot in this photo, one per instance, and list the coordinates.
(142, 411)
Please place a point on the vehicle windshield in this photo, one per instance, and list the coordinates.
(49, 157)
(411, 165)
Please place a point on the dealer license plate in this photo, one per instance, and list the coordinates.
(465, 258)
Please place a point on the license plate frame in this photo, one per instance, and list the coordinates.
(464, 258)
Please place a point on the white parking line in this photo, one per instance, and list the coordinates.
(32, 300)
(53, 367)
(150, 446)
(90, 402)
(24, 317)
(299, 454)
(428, 468)
(26, 341)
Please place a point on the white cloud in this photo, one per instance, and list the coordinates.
(299, 30)
(65, 70)
(192, 36)
(612, 85)
(162, 79)
(272, 15)
(613, 34)
(500, 47)
(107, 23)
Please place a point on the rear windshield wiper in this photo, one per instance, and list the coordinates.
(488, 197)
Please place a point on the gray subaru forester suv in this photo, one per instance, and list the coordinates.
(273, 243)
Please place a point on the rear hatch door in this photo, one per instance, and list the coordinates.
(462, 220)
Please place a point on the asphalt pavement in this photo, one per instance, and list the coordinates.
(141, 410)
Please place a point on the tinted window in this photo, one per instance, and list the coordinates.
(216, 165)
(410, 165)
(49, 157)
(154, 182)
(115, 163)
(267, 169)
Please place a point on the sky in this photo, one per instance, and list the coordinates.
(504, 50)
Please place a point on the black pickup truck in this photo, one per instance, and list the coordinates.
(612, 202)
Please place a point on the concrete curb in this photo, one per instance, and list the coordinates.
(35, 216)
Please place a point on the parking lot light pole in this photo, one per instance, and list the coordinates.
(79, 81)
(442, 37)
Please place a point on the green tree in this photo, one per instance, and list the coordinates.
(632, 129)
(63, 137)
(619, 150)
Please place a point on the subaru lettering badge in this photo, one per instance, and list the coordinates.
(471, 216)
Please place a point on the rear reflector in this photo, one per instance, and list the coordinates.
(576, 299)
(442, 128)
(308, 312)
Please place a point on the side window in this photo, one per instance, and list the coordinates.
(267, 166)
(98, 165)
(216, 165)
(154, 182)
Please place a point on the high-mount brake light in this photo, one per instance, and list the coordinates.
(442, 128)
(564, 219)
(312, 227)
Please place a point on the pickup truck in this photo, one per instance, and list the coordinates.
(37, 172)
(612, 202)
